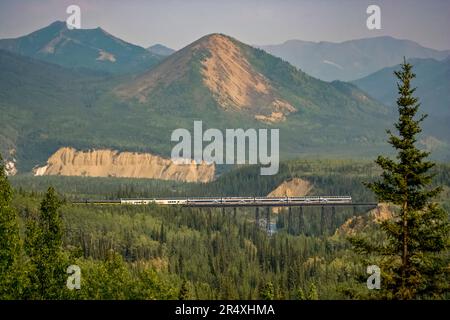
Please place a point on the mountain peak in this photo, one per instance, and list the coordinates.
(86, 48)
(211, 40)
(160, 49)
(57, 23)
(225, 70)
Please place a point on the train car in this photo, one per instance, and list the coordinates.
(238, 200)
(154, 200)
(137, 201)
(171, 201)
(89, 201)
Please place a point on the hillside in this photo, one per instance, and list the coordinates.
(350, 60)
(216, 79)
(433, 84)
(83, 48)
(242, 79)
(41, 104)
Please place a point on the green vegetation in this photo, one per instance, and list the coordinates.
(155, 252)
(9, 237)
(412, 260)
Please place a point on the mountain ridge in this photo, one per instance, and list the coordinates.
(433, 84)
(94, 49)
(350, 59)
(161, 50)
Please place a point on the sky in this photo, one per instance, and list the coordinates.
(176, 23)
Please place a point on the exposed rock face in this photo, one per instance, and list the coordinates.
(109, 163)
(233, 82)
(106, 56)
(352, 226)
(295, 187)
(382, 212)
(357, 224)
(10, 167)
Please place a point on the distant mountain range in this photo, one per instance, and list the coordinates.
(161, 50)
(433, 88)
(216, 79)
(350, 60)
(83, 48)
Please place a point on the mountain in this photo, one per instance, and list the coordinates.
(432, 82)
(228, 76)
(350, 60)
(216, 79)
(83, 48)
(37, 101)
(161, 50)
(433, 85)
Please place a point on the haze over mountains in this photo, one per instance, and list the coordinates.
(216, 79)
(350, 60)
(86, 48)
(433, 88)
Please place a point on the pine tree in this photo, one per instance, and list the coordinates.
(267, 292)
(301, 294)
(9, 237)
(411, 263)
(44, 247)
(313, 294)
(184, 293)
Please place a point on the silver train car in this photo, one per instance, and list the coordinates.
(240, 200)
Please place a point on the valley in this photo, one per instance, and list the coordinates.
(221, 170)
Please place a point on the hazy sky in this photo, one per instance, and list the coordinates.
(176, 23)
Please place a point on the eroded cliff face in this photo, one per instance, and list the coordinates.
(358, 224)
(110, 163)
(295, 187)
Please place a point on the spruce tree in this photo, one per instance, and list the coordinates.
(313, 294)
(44, 247)
(267, 292)
(413, 254)
(9, 236)
(184, 293)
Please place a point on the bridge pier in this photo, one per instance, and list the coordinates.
(322, 219)
(333, 217)
(257, 216)
(268, 219)
(289, 226)
(301, 221)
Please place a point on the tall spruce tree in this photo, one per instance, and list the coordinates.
(413, 256)
(44, 247)
(9, 236)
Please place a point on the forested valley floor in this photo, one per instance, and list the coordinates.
(157, 252)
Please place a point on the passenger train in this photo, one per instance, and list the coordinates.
(239, 200)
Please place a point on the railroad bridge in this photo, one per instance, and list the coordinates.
(256, 202)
